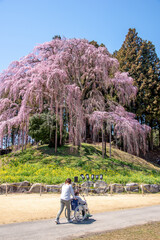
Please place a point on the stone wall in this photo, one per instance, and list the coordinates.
(98, 187)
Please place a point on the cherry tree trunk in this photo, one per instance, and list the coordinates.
(26, 137)
(18, 144)
(110, 139)
(61, 124)
(56, 137)
(6, 138)
(103, 140)
(22, 139)
(151, 139)
(56, 127)
(159, 136)
(13, 139)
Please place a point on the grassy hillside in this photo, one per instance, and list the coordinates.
(42, 165)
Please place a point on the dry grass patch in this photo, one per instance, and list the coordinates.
(149, 231)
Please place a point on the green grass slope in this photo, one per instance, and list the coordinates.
(42, 165)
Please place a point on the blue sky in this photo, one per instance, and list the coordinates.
(26, 23)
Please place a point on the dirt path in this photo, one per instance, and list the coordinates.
(29, 207)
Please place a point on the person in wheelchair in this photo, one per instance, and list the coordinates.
(82, 202)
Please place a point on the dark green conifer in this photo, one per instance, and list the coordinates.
(139, 58)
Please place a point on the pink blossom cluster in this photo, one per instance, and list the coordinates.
(126, 128)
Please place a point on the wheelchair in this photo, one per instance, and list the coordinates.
(78, 212)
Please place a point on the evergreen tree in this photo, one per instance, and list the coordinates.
(138, 57)
(42, 128)
(57, 37)
(94, 43)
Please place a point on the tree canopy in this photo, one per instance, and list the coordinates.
(75, 79)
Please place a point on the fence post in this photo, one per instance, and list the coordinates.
(6, 189)
(129, 190)
(87, 188)
(111, 189)
(142, 190)
(40, 189)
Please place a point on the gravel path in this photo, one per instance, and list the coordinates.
(47, 230)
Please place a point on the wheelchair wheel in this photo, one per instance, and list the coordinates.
(71, 213)
(80, 213)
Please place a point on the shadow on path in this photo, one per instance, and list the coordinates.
(85, 222)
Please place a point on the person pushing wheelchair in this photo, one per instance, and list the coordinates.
(65, 200)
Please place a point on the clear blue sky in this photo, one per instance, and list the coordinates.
(26, 23)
